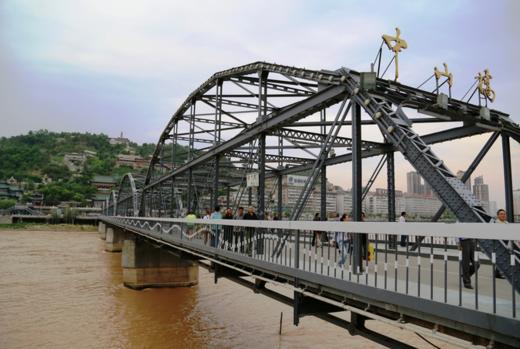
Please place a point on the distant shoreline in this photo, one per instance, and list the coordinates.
(47, 227)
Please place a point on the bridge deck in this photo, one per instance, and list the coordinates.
(428, 289)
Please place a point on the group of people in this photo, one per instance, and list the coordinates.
(228, 234)
(467, 246)
(243, 237)
(342, 241)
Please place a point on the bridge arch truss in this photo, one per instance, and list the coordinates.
(274, 120)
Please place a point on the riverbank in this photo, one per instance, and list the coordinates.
(47, 227)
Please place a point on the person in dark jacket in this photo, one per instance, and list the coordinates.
(250, 216)
(316, 235)
(239, 231)
(228, 229)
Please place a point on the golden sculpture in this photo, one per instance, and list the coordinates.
(438, 74)
(484, 85)
(400, 44)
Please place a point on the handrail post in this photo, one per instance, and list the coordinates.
(297, 250)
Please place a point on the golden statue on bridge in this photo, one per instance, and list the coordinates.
(484, 85)
(439, 73)
(400, 44)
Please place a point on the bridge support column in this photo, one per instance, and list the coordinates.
(357, 188)
(102, 229)
(145, 265)
(114, 239)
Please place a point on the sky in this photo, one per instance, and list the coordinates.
(125, 66)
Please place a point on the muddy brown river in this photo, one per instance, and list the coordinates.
(61, 290)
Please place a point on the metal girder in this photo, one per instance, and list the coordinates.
(450, 190)
(225, 112)
(455, 133)
(197, 140)
(322, 99)
(508, 180)
(272, 95)
(319, 163)
(206, 131)
(274, 85)
(426, 102)
(223, 123)
(472, 167)
(319, 138)
(465, 177)
(363, 122)
(357, 187)
(392, 91)
(269, 157)
(234, 103)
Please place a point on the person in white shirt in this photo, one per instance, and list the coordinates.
(501, 218)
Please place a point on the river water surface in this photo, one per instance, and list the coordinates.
(61, 290)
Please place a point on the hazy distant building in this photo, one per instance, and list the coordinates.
(468, 182)
(413, 183)
(516, 202)
(120, 140)
(134, 161)
(481, 190)
(427, 189)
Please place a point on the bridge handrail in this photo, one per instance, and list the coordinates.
(460, 230)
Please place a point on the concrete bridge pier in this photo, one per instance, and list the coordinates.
(114, 239)
(102, 229)
(146, 265)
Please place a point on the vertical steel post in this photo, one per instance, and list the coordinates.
(508, 181)
(218, 112)
(192, 130)
(262, 113)
(357, 189)
(323, 172)
(261, 176)
(390, 185)
(215, 181)
(172, 198)
(279, 207)
(190, 189)
(390, 179)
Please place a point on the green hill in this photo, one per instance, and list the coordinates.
(32, 157)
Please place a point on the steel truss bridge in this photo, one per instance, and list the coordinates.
(274, 120)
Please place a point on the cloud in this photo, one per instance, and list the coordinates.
(127, 65)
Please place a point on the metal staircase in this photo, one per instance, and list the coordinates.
(396, 128)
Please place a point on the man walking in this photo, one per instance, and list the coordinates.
(216, 228)
(239, 231)
(250, 216)
(469, 265)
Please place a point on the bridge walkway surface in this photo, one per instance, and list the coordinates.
(418, 290)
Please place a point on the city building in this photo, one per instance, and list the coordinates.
(75, 161)
(481, 193)
(120, 141)
(133, 161)
(413, 183)
(516, 204)
(10, 191)
(468, 182)
(103, 185)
